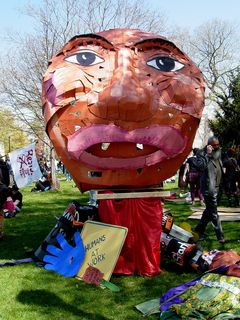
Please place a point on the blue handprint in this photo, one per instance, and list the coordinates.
(67, 260)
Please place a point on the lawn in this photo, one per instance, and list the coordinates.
(30, 292)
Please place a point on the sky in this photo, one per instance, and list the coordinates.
(192, 13)
(183, 13)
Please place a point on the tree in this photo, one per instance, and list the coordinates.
(56, 21)
(226, 124)
(215, 48)
(12, 135)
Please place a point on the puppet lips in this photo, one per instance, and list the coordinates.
(168, 141)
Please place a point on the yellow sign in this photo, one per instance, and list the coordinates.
(103, 244)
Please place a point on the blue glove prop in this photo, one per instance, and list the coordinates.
(67, 260)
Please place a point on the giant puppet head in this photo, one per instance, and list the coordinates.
(122, 108)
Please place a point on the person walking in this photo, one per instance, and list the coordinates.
(208, 161)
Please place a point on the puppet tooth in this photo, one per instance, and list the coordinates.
(170, 115)
(139, 146)
(77, 128)
(184, 120)
(105, 145)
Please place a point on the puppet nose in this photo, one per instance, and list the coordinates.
(125, 98)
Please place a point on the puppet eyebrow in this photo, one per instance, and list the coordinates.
(93, 39)
(156, 43)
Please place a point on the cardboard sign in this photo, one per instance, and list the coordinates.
(103, 244)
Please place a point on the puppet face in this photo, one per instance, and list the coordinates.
(122, 108)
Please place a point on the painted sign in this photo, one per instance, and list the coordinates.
(103, 244)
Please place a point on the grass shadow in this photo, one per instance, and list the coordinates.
(51, 300)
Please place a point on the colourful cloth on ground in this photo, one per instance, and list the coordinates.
(213, 297)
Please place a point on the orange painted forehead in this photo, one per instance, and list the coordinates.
(127, 37)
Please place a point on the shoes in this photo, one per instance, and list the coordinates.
(192, 203)
(222, 241)
(202, 237)
(199, 236)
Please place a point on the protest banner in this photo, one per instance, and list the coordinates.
(25, 165)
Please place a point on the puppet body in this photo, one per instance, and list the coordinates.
(122, 108)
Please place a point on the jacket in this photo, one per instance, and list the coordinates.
(206, 165)
(4, 173)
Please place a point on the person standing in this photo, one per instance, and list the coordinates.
(4, 182)
(232, 171)
(182, 180)
(208, 161)
(194, 176)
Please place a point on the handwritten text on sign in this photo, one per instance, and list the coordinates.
(103, 244)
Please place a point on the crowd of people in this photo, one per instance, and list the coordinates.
(10, 195)
(189, 178)
(209, 174)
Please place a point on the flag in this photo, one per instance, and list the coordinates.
(25, 165)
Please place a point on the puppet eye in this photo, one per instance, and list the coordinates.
(84, 58)
(165, 64)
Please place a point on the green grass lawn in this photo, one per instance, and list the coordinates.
(30, 292)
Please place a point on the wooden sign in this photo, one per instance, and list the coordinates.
(103, 244)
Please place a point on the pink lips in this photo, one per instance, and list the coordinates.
(167, 139)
